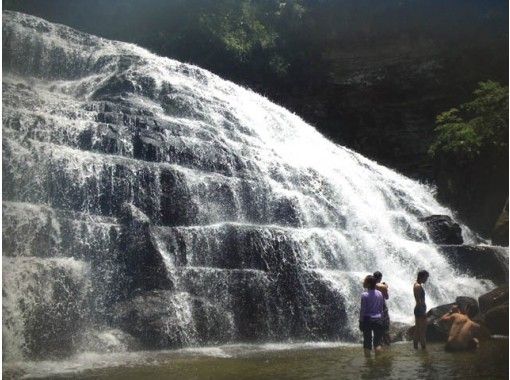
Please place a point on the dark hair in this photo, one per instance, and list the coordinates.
(423, 274)
(369, 282)
(378, 276)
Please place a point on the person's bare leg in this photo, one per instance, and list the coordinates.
(423, 332)
(415, 333)
(378, 350)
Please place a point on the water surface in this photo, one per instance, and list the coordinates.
(279, 361)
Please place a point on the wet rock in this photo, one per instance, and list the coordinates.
(144, 268)
(164, 319)
(499, 233)
(48, 297)
(480, 261)
(494, 298)
(496, 319)
(150, 318)
(399, 332)
(442, 229)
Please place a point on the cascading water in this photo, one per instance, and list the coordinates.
(149, 203)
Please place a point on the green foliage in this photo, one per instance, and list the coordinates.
(238, 25)
(252, 30)
(476, 127)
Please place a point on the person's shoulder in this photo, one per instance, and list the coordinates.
(416, 285)
(378, 292)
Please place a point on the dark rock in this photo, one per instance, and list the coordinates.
(479, 261)
(496, 319)
(52, 308)
(494, 298)
(468, 305)
(438, 311)
(165, 319)
(399, 332)
(150, 318)
(143, 263)
(442, 229)
(499, 234)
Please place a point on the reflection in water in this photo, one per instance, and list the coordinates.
(378, 366)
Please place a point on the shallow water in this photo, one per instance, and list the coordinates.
(279, 361)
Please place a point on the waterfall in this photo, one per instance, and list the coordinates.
(149, 200)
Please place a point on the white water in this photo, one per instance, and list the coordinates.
(245, 165)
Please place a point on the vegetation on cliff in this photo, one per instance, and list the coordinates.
(471, 150)
(476, 128)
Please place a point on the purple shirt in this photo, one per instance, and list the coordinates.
(372, 303)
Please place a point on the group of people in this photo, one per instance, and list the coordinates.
(374, 319)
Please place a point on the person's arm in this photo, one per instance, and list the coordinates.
(383, 288)
(362, 308)
(447, 317)
(362, 311)
(384, 292)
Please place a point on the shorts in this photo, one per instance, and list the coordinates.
(420, 310)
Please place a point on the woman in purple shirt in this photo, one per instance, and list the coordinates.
(371, 315)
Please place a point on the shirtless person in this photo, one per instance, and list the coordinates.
(462, 331)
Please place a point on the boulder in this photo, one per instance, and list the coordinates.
(468, 305)
(399, 332)
(499, 235)
(494, 298)
(496, 319)
(486, 262)
(437, 331)
(442, 229)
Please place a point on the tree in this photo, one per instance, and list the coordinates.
(476, 128)
(470, 155)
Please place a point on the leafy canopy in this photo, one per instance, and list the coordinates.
(477, 127)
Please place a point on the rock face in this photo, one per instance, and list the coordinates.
(499, 234)
(496, 319)
(468, 305)
(480, 261)
(443, 230)
(494, 298)
(152, 197)
(494, 308)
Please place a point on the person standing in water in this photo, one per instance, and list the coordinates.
(383, 288)
(370, 317)
(420, 310)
